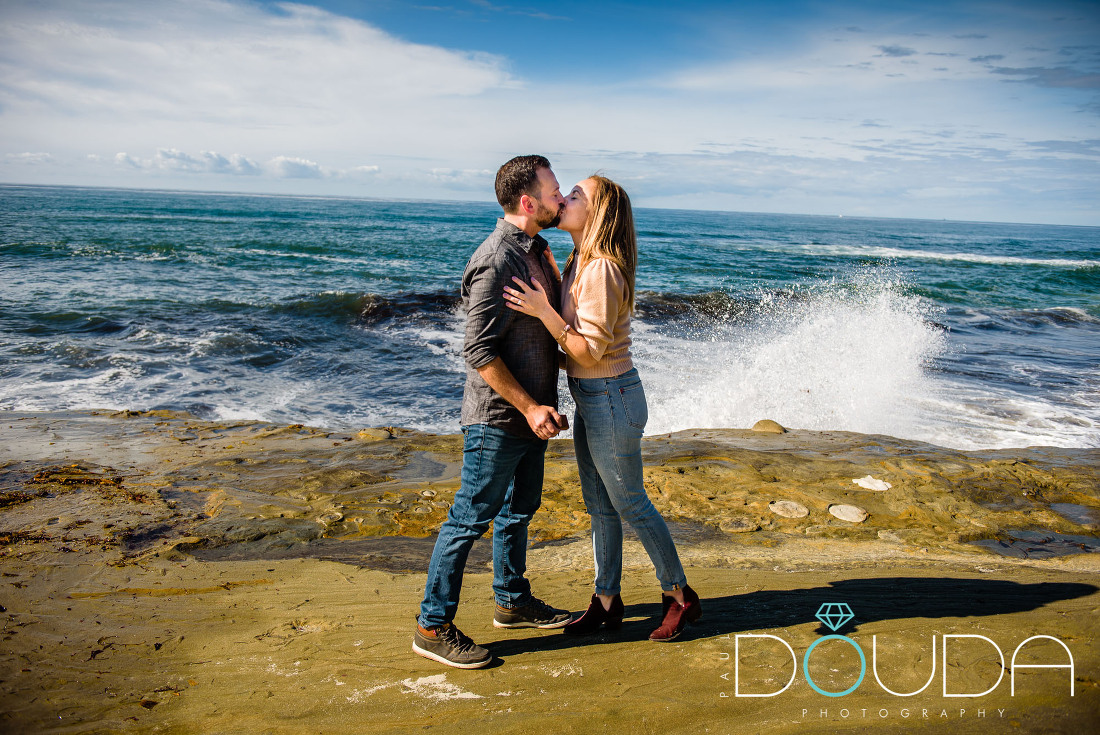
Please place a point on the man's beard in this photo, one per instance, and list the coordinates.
(546, 218)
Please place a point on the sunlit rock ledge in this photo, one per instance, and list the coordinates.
(163, 482)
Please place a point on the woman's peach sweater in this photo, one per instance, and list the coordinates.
(594, 303)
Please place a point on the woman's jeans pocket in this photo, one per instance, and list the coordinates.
(634, 404)
(589, 387)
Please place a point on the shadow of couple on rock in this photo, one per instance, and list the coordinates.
(871, 600)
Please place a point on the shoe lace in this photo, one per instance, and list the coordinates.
(456, 638)
(541, 608)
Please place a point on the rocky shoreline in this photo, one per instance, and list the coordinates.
(114, 527)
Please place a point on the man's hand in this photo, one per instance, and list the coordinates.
(546, 422)
(543, 420)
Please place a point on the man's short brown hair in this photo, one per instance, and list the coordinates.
(518, 177)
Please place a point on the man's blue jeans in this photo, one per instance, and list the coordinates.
(501, 483)
(607, 435)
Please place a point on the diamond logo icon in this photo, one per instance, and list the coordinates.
(834, 615)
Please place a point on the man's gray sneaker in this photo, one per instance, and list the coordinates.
(448, 645)
(533, 614)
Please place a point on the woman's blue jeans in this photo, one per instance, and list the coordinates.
(501, 482)
(607, 434)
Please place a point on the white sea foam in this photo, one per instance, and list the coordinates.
(105, 389)
(966, 417)
(321, 257)
(887, 253)
(239, 413)
(444, 344)
(842, 356)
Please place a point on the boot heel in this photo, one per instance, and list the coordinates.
(595, 616)
(696, 610)
(677, 616)
(694, 613)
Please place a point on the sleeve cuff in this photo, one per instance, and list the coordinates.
(480, 359)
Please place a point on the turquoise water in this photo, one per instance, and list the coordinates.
(344, 313)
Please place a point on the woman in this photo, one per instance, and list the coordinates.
(593, 330)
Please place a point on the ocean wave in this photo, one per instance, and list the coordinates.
(1026, 319)
(158, 218)
(34, 248)
(887, 253)
(707, 308)
(71, 322)
(964, 416)
(653, 306)
(1059, 315)
(306, 254)
(157, 252)
(370, 308)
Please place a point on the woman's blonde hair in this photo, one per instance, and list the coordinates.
(609, 232)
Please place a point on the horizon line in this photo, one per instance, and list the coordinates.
(353, 197)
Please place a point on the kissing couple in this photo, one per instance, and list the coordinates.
(525, 319)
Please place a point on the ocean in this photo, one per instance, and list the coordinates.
(344, 313)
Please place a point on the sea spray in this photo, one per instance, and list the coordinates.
(844, 354)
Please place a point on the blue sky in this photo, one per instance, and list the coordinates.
(966, 110)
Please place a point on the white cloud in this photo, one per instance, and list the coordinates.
(290, 167)
(170, 159)
(234, 164)
(223, 59)
(177, 161)
(125, 159)
(455, 175)
(30, 158)
(952, 193)
(218, 74)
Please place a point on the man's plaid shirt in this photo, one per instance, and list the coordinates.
(493, 330)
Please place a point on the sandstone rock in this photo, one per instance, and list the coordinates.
(849, 513)
(739, 524)
(373, 435)
(767, 426)
(333, 516)
(870, 483)
(788, 509)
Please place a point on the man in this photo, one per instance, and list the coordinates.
(509, 410)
